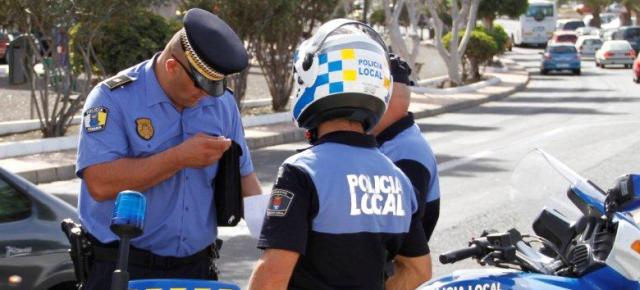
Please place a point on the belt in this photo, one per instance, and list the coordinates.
(139, 257)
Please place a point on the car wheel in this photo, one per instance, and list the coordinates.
(637, 79)
(577, 72)
(544, 71)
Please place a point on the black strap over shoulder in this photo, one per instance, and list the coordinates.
(228, 193)
(118, 81)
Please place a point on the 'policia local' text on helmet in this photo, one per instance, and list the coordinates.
(341, 72)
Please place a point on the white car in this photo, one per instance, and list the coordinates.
(587, 45)
(588, 30)
(615, 52)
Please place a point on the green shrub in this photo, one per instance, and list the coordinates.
(499, 35)
(128, 40)
(480, 50)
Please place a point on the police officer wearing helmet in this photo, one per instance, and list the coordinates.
(340, 209)
(400, 139)
(160, 127)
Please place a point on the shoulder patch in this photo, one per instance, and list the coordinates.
(95, 119)
(118, 81)
(279, 203)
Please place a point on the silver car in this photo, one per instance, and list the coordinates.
(587, 45)
(34, 253)
(615, 52)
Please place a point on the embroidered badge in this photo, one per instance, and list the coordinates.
(279, 203)
(95, 119)
(144, 128)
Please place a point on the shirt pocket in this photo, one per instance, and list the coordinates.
(143, 148)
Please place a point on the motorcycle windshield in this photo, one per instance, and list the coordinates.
(541, 180)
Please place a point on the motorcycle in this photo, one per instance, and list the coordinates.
(585, 238)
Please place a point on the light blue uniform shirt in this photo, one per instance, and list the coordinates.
(180, 216)
(408, 143)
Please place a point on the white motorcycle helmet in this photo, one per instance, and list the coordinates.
(342, 71)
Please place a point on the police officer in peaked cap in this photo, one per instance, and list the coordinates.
(340, 209)
(160, 127)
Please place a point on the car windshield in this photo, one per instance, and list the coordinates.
(573, 25)
(562, 49)
(593, 41)
(537, 10)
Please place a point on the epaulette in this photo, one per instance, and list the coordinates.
(118, 81)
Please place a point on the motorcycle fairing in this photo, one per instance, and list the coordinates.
(503, 279)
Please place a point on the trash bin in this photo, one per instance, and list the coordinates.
(16, 56)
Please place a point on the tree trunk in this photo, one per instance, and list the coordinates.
(275, 60)
(475, 70)
(398, 42)
(595, 21)
(626, 17)
(238, 84)
(487, 22)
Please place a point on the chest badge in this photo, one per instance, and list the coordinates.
(144, 128)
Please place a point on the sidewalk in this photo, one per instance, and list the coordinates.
(50, 167)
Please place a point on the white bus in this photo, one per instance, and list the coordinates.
(537, 25)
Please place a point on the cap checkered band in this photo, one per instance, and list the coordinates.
(196, 61)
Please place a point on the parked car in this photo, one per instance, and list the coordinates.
(4, 45)
(569, 24)
(615, 52)
(630, 34)
(636, 70)
(563, 37)
(33, 249)
(587, 45)
(558, 57)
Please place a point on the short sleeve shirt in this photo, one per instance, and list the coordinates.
(346, 209)
(138, 120)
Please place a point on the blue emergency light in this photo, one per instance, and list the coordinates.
(127, 222)
(128, 214)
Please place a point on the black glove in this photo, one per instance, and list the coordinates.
(622, 194)
(400, 70)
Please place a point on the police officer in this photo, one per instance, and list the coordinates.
(340, 209)
(159, 127)
(400, 139)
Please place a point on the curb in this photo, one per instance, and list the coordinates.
(49, 174)
(37, 146)
(22, 126)
(457, 90)
(26, 125)
(65, 172)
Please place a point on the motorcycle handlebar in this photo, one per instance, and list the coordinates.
(457, 255)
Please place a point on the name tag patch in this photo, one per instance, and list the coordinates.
(279, 203)
(95, 119)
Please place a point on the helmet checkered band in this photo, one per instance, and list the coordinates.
(196, 61)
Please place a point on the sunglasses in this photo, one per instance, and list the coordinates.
(213, 88)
